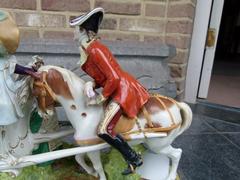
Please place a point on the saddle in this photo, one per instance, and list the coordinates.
(155, 104)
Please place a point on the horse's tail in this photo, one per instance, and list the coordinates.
(186, 114)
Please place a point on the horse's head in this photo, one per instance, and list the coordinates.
(49, 87)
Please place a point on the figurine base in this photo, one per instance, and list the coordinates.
(155, 166)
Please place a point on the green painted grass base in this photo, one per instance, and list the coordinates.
(68, 169)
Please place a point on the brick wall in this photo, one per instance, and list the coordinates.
(167, 21)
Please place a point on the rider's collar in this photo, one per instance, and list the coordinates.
(83, 54)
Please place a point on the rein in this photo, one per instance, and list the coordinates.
(45, 88)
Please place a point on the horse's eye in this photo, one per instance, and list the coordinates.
(81, 29)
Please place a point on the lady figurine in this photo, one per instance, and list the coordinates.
(124, 94)
(10, 83)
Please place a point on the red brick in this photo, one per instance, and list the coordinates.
(142, 25)
(177, 71)
(178, 41)
(66, 5)
(118, 36)
(114, 7)
(148, 38)
(181, 10)
(18, 4)
(182, 26)
(28, 34)
(180, 83)
(109, 23)
(180, 58)
(40, 20)
(63, 35)
(180, 95)
(155, 10)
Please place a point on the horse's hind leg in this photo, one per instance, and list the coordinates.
(80, 159)
(97, 164)
(174, 155)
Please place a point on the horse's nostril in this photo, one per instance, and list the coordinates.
(84, 114)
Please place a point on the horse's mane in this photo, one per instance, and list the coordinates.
(69, 77)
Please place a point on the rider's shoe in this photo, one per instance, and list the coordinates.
(136, 162)
(133, 159)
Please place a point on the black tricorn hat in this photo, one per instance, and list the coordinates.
(89, 21)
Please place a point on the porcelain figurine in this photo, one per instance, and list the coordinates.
(123, 111)
(166, 119)
(124, 93)
(151, 119)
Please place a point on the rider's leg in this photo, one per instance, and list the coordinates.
(105, 131)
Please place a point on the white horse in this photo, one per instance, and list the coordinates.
(165, 114)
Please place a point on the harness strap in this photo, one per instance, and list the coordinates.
(45, 84)
(45, 88)
(168, 98)
(147, 117)
(165, 107)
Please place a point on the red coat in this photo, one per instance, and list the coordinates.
(116, 83)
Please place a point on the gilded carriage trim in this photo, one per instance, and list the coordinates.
(18, 141)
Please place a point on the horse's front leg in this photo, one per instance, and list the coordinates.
(81, 161)
(97, 164)
(174, 155)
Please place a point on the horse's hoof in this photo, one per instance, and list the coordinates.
(94, 174)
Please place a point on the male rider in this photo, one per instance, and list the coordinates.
(126, 95)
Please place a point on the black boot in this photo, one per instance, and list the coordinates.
(133, 159)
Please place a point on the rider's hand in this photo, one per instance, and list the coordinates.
(88, 89)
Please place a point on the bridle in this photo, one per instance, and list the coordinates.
(45, 90)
